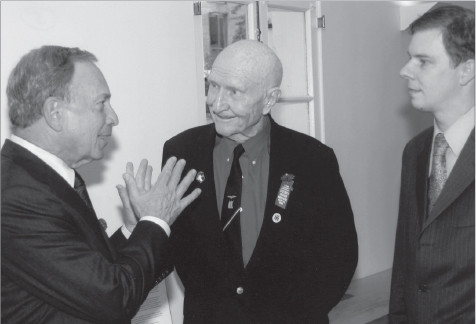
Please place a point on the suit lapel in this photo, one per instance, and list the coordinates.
(280, 162)
(208, 210)
(43, 173)
(460, 178)
(422, 165)
(91, 218)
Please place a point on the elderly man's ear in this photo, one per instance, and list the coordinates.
(272, 96)
(53, 113)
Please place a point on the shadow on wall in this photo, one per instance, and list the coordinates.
(417, 121)
(93, 173)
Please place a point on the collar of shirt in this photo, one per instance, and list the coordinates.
(457, 134)
(253, 146)
(53, 161)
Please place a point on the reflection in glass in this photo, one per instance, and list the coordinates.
(223, 24)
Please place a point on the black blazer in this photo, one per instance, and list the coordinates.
(58, 265)
(433, 268)
(301, 266)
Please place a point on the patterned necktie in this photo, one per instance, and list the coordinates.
(438, 174)
(80, 188)
(230, 214)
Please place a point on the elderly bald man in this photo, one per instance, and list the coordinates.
(271, 239)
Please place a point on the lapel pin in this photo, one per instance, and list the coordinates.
(103, 223)
(285, 190)
(200, 177)
(276, 218)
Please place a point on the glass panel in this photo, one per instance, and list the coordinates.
(223, 24)
(287, 37)
(292, 115)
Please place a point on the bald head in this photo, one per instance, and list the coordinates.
(255, 60)
(244, 86)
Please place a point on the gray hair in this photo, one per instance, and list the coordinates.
(42, 73)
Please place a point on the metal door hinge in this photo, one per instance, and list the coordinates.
(321, 22)
(197, 8)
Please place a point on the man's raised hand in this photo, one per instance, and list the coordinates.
(164, 198)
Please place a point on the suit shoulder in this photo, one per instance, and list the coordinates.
(303, 142)
(192, 134)
(419, 139)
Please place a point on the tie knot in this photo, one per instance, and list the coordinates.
(440, 145)
(237, 152)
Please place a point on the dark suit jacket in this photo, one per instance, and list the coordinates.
(300, 267)
(58, 265)
(433, 269)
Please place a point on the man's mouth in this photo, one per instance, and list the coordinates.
(224, 118)
(413, 91)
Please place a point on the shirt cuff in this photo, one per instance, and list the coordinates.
(153, 219)
(158, 221)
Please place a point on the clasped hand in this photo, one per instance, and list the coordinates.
(162, 199)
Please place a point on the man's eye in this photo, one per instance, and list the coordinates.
(422, 62)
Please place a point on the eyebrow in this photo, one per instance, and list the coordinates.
(104, 96)
(233, 85)
(419, 55)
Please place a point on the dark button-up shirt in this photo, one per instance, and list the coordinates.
(254, 165)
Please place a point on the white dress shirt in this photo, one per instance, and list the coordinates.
(68, 174)
(456, 136)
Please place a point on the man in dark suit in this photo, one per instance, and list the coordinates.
(58, 265)
(272, 237)
(433, 270)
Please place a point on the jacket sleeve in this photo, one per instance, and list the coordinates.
(45, 251)
(336, 244)
(397, 308)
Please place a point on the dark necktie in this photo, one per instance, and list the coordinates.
(438, 174)
(230, 212)
(80, 188)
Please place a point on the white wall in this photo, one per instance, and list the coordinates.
(146, 51)
(368, 117)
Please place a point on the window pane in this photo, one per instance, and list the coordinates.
(292, 115)
(287, 37)
(223, 24)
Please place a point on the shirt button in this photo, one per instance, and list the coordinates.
(254, 162)
(227, 160)
(423, 288)
(239, 290)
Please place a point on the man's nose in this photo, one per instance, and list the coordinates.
(405, 72)
(221, 101)
(112, 118)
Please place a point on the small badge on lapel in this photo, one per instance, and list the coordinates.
(285, 190)
(103, 223)
(200, 177)
(276, 218)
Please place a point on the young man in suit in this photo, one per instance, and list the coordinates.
(272, 237)
(433, 270)
(58, 265)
